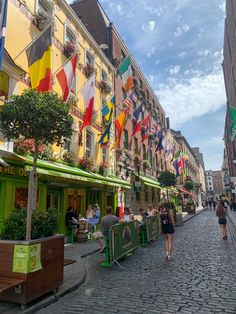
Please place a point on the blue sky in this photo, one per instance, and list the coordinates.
(178, 44)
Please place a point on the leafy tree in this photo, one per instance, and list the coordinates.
(189, 185)
(41, 117)
(167, 179)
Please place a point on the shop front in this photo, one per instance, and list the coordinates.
(59, 186)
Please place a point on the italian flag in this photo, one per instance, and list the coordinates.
(126, 73)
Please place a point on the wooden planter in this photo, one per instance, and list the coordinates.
(33, 283)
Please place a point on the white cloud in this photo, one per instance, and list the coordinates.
(151, 52)
(174, 69)
(149, 27)
(193, 98)
(182, 55)
(119, 9)
(181, 29)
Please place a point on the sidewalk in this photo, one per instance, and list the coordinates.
(74, 277)
(74, 274)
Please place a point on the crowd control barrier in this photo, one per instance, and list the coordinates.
(153, 227)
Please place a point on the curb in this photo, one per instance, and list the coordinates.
(46, 301)
(190, 217)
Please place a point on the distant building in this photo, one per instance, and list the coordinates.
(215, 186)
(209, 184)
(202, 178)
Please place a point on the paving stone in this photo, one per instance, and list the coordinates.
(199, 279)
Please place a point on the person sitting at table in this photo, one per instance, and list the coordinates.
(127, 216)
(92, 216)
(72, 219)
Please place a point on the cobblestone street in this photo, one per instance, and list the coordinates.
(200, 278)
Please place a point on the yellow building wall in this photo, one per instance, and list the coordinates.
(19, 34)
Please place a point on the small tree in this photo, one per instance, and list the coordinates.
(189, 185)
(42, 117)
(167, 179)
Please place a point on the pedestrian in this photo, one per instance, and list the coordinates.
(221, 214)
(210, 205)
(72, 218)
(206, 204)
(214, 205)
(167, 225)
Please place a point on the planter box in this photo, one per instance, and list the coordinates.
(35, 283)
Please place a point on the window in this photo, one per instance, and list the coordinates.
(147, 94)
(122, 56)
(89, 143)
(53, 200)
(44, 5)
(69, 35)
(133, 71)
(89, 59)
(144, 152)
(126, 139)
(156, 161)
(150, 158)
(104, 76)
(135, 145)
(104, 155)
(138, 196)
(140, 83)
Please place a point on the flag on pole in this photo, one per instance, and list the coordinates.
(3, 23)
(232, 116)
(138, 116)
(128, 102)
(125, 71)
(120, 124)
(39, 56)
(88, 93)
(108, 109)
(105, 136)
(146, 120)
(144, 134)
(66, 76)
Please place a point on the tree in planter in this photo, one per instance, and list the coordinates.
(167, 179)
(42, 117)
(189, 185)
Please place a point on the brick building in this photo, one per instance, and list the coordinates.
(229, 68)
(137, 160)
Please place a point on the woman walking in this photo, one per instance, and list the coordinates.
(221, 214)
(167, 225)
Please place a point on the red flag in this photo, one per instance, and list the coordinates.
(66, 76)
(88, 92)
(146, 120)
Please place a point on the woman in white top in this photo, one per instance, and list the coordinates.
(128, 216)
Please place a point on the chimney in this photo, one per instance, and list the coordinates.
(168, 123)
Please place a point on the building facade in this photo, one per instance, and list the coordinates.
(62, 181)
(137, 159)
(229, 69)
(209, 184)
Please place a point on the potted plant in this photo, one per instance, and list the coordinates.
(104, 87)
(24, 146)
(69, 49)
(103, 169)
(72, 100)
(42, 19)
(86, 163)
(70, 158)
(40, 260)
(88, 70)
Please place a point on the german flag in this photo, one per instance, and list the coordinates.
(39, 56)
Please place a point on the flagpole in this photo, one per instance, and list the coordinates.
(31, 43)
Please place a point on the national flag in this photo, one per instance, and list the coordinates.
(180, 162)
(232, 116)
(154, 130)
(128, 101)
(108, 109)
(146, 120)
(138, 116)
(144, 134)
(3, 23)
(160, 137)
(39, 56)
(88, 93)
(66, 76)
(175, 165)
(125, 71)
(105, 136)
(120, 124)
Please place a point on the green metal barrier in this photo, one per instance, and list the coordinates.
(153, 227)
(143, 234)
(124, 239)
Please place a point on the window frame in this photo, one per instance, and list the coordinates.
(46, 4)
(92, 143)
(87, 52)
(68, 30)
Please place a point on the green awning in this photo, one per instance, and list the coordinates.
(149, 181)
(64, 171)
